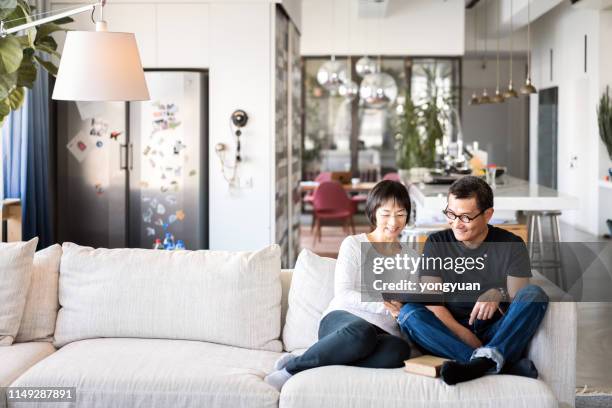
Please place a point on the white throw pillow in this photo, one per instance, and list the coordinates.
(312, 288)
(40, 313)
(15, 274)
(231, 298)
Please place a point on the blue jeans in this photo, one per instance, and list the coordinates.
(346, 339)
(504, 339)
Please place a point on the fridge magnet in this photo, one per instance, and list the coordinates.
(171, 200)
(178, 171)
(146, 150)
(146, 215)
(163, 176)
(143, 184)
(178, 146)
(152, 163)
(78, 146)
(90, 109)
(150, 231)
(99, 190)
(172, 219)
(99, 144)
(115, 134)
(180, 215)
(154, 203)
(161, 210)
(192, 173)
(163, 189)
(98, 128)
(159, 222)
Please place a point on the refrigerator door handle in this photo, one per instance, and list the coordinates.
(123, 156)
(131, 156)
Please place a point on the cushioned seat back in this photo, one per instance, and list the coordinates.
(230, 298)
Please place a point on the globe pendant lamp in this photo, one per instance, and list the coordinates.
(365, 66)
(331, 75)
(528, 88)
(510, 92)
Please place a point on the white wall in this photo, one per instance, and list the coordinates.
(235, 41)
(415, 27)
(563, 30)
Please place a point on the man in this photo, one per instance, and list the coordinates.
(489, 330)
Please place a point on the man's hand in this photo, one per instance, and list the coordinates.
(393, 307)
(486, 306)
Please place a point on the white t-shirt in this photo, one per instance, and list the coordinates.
(347, 288)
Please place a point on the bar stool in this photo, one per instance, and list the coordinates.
(534, 221)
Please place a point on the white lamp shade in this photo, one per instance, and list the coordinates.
(100, 66)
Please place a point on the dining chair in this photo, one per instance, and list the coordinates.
(331, 203)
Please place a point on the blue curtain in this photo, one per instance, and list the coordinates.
(26, 161)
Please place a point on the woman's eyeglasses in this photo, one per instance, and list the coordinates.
(464, 218)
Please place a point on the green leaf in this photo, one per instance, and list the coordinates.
(16, 98)
(27, 71)
(64, 20)
(49, 66)
(45, 30)
(8, 6)
(10, 54)
(48, 42)
(5, 110)
(7, 83)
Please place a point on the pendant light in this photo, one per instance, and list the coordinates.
(528, 88)
(332, 73)
(378, 90)
(510, 92)
(484, 98)
(475, 100)
(365, 65)
(349, 89)
(498, 97)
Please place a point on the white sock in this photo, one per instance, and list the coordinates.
(278, 378)
(283, 361)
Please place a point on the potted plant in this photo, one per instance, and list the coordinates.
(21, 55)
(604, 118)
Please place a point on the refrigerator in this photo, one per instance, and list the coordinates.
(130, 173)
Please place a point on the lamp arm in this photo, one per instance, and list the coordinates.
(4, 32)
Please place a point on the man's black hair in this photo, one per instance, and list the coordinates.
(471, 186)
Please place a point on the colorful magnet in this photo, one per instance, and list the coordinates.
(115, 134)
(172, 218)
(171, 200)
(180, 215)
(99, 144)
(99, 190)
(161, 209)
(146, 215)
(150, 232)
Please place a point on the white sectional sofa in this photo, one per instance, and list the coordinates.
(140, 328)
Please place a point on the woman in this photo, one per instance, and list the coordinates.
(353, 332)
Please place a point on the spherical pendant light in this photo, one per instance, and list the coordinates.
(349, 90)
(332, 74)
(378, 90)
(365, 66)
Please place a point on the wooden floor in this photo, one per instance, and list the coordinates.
(594, 357)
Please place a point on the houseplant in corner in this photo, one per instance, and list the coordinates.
(604, 118)
(22, 55)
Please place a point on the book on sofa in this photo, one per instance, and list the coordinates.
(425, 365)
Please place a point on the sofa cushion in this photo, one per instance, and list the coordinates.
(15, 274)
(16, 359)
(312, 288)
(230, 298)
(157, 373)
(354, 387)
(40, 312)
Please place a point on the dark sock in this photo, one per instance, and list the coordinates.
(523, 367)
(453, 372)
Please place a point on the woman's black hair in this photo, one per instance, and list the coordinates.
(385, 191)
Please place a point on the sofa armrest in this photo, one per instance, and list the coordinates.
(553, 351)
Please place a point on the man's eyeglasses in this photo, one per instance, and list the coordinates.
(464, 218)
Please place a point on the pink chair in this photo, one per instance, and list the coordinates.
(323, 176)
(392, 176)
(332, 203)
